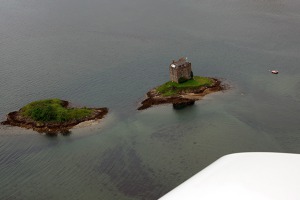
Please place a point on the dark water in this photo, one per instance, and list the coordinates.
(109, 53)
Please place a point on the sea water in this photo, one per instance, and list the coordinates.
(100, 53)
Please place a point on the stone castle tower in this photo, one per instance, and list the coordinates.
(180, 70)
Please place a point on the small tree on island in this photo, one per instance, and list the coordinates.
(182, 80)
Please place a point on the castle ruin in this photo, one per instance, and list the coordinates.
(180, 70)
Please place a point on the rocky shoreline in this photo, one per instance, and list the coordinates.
(51, 128)
(184, 98)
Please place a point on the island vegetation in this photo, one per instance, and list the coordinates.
(52, 116)
(183, 93)
(172, 88)
(53, 110)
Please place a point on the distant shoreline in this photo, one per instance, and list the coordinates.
(182, 98)
(52, 128)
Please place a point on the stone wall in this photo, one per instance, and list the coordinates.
(180, 71)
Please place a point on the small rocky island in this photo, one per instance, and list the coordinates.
(52, 116)
(183, 89)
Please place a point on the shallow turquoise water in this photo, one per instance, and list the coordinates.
(110, 53)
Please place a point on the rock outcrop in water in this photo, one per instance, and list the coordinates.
(182, 98)
(52, 128)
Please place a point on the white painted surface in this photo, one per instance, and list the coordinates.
(244, 176)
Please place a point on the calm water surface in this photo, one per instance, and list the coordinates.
(109, 53)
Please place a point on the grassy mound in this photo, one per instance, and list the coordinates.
(172, 88)
(53, 110)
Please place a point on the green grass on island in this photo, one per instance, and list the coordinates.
(52, 110)
(172, 88)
